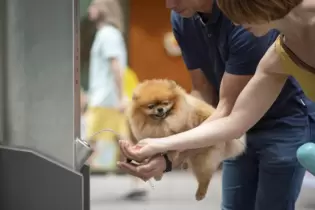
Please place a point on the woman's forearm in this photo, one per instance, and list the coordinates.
(207, 134)
(253, 102)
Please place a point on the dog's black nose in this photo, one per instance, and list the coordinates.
(160, 110)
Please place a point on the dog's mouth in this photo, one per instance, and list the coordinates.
(161, 115)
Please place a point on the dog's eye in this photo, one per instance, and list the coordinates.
(151, 106)
(165, 103)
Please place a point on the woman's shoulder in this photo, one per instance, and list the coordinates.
(271, 61)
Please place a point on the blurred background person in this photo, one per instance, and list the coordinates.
(106, 98)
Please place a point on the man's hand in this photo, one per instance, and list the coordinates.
(146, 170)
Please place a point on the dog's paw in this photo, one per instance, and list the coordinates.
(200, 196)
(185, 166)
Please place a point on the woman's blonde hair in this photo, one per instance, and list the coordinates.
(111, 13)
(256, 11)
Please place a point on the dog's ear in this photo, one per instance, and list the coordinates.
(173, 84)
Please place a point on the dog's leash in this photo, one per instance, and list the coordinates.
(117, 134)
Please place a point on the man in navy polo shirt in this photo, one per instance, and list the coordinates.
(222, 58)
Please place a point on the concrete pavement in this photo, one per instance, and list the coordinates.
(175, 191)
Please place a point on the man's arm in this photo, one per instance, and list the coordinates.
(231, 86)
(259, 94)
(245, 52)
(202, 89)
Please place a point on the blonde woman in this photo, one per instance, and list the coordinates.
(108, 55)
(108, 61)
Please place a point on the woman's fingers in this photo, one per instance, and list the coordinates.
(123, 149)
(130, 152)
(144, 149)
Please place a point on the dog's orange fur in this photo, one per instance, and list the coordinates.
(182, 112)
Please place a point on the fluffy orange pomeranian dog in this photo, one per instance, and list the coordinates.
(161, 108)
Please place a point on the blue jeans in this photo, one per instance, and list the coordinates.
(268, 176)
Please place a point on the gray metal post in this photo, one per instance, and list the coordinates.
(2, 64)
(39, 78)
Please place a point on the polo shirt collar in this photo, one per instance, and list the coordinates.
(213, 17)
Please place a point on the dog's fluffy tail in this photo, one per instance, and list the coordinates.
(235, 147)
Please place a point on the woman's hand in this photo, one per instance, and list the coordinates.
(143, 150)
